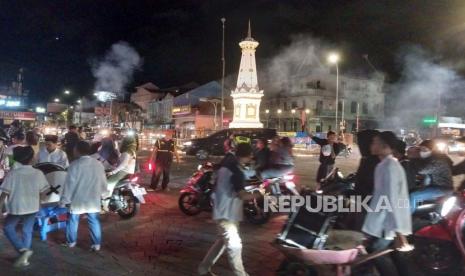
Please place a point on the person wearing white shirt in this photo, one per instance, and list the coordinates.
(51, 153)
(85, 185)
(126, 163)
(383, 225)
(228, 211)
(23, 187)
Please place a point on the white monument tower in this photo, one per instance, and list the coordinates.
(247, 96)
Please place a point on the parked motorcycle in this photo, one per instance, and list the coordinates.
(440, 240)
(125, 199)
(196, 195)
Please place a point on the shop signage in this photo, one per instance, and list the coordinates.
(102, 111)
(13, 115)
(182, 109)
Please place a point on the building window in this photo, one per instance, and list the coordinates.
(353, 107)
(285, 106)
(339, 106)
(304, 104)
(294, 104)
(309, 84)
(365, 108)
(318, 85)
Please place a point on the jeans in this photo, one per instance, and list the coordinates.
(94, 228)
(9, 229)
(428, 193)
(229, 240)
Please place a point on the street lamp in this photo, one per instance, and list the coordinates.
(293, 119)
(56, 100)
(307, 111)
(279, 111)
(215, 103)
(333, 58)
(67, 92)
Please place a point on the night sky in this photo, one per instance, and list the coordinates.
(180, 41)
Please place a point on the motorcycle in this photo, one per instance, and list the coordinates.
(440, 240)
(125, 199)
(195, 197)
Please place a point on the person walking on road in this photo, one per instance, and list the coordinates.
(85, 185)
(23, 187)
(162, 154)
(386, 226)
(228, 199)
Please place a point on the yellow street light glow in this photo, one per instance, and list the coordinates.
(307, 111)
(293, 111)
(267, 111)
(279, 111)
(333, 58)
(67, 92)
(57, 100)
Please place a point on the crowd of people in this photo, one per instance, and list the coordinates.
(92, 173)
(386, 169)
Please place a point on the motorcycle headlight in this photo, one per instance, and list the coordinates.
(448, 205)
(188, 143)
(199, 167)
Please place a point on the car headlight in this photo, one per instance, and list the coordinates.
(441, 146)
(448, 205)
(188, 143)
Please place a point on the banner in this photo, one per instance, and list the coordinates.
(13, 115)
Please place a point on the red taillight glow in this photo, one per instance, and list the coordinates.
(150, 166)
(289, 177)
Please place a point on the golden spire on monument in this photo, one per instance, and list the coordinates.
(247, 95)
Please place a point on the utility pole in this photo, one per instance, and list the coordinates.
(358, 117)
(223, 60)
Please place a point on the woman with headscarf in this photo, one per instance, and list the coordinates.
(126, 163)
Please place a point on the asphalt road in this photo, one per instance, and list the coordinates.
(161, 240)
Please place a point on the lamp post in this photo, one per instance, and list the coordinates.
(215, 103)
(279, 111)
(293, 119)
(79, 102)
(223, 61)
(333, 58)
(267, 111)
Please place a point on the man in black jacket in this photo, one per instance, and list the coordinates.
(330, 148)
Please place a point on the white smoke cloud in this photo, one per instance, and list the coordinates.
(425, 87)
(302, 57)
(115, 70)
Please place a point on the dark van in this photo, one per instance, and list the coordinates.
(214, 144)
